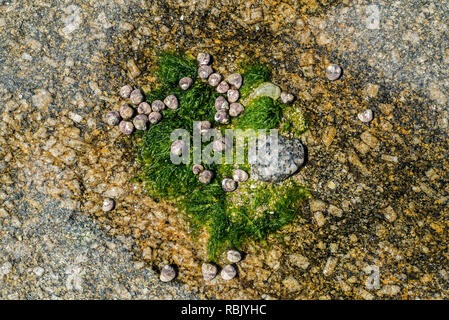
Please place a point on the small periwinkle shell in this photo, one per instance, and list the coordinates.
(185, 83)
(214, 79)
(171, 102)
(240, 175)
(235, 80)
(286, 97)
(203, 126)
(108, 204)
(221, 117)
(228, 185)
(223, 87)
(136, 96)
(221, 103)
(333, 72)
(366, 115)
(177, 147)
(233, 256)
(219, 145)
(157, 106)
(236, 109)
(126, 111)
(203, 58)
(154, 117)
(204, 71)
(126, 127)
(113, 118)
(168, 273)
(209, 271)
(197, 168)
(125, 91)
(140, 122)
(206, 176)
(228, 272)
(233, 95)
(144, 108)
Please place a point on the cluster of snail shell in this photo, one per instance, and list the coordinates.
(225, 107)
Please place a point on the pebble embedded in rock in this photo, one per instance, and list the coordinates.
(228, 272)
(233, 256)
(214, 79)
(366, 115)
(171, 102)
(223, 87)
(136, 96)
(144, 108)
(154, 117)
(203, 126)
(221, 117)
(126, 111)
(185, 83)
(275, 164)
(126, 127)
(235, 80)
(108, 204)
(286, 97)
(125, 91)
(204, 71)
(197, 169)
(168, 273)
(140, 122)
(233, 95)
(333, 72)
(209, 271)
(113, 118)
(228, 185)
(177, 147)
(236, 109)
(203, 58)
(221, 103)
(205, 176)
(157, 106)
(240, 175)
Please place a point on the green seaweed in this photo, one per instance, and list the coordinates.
(263, 210)
(253, 75)
(261, 113)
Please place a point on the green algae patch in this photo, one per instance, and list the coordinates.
(261, 113)
(252, 212)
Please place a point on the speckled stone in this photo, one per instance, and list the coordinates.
(276, 163)
(126, 111)
(125, 91)
(240, 175)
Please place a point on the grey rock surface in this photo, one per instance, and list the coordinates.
(276, 159)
